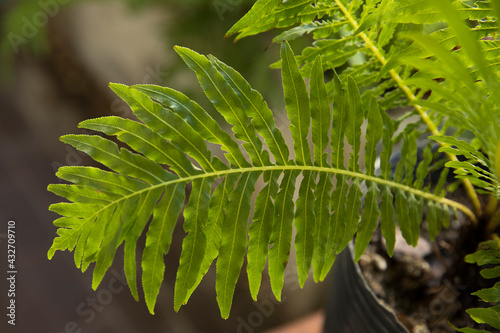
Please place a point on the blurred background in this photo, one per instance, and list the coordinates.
(57, 58)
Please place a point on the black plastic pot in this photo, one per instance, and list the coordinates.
(353, 307)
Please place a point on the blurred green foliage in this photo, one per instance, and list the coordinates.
(198, 24)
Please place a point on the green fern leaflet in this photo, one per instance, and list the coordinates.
(311, 187)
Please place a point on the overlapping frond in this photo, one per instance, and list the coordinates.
(326, 196)
(458, 70)
(447, 69)
(357, 37)
(334, 26)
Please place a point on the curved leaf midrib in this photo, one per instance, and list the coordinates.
(353, 174)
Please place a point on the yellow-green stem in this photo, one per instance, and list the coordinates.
(469, 188)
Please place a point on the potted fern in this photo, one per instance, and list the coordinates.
(375, 55)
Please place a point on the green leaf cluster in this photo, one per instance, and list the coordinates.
(416, 52)
(488, 253)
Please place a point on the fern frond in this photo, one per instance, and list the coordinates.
(165, 153)
(333, 25)
(258, 11)
(266, 15)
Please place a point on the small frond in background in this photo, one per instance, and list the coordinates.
(333, 26)
(448, 70)
(488, 253)
(458, 70)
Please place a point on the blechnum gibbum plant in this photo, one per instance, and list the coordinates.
(377, 55)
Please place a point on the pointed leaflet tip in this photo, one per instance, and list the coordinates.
(51, 252)
(114, 86)
(181, 50)
(257, 12)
